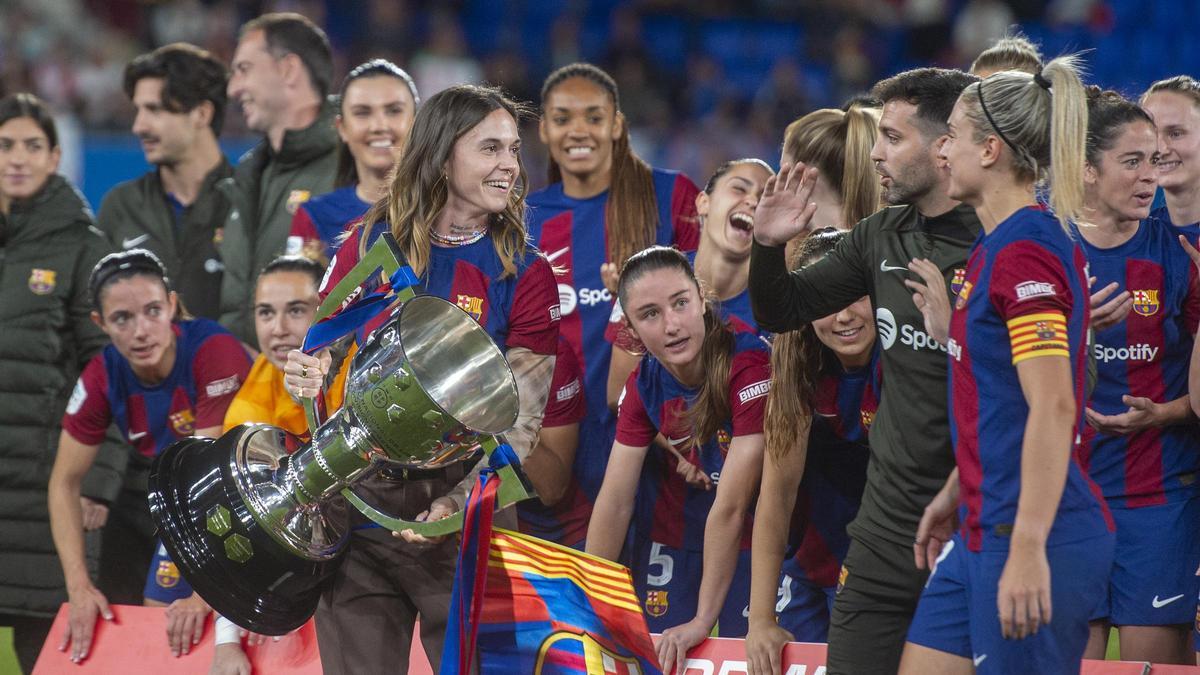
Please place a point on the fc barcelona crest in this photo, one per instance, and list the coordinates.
(956, 282)
(295, 199)
(656, 603)
(183, 422)
(1044, 330)
(167, 574)
(41, 282)
(1145, 302)
(569, 652)
(964, 294)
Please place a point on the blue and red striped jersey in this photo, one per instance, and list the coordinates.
(1025, 296)
(516, 311)
(835, 472)
(669, 511)
(1190, 230)
(210, 367)
(573, 234)
(320, 222)
(1147, 355)
(566, 522)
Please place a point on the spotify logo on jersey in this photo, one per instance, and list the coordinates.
(566, 299)
(885, 325)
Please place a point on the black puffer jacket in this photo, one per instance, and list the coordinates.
(48, 247)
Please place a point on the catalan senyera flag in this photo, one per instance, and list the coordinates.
(523, 605)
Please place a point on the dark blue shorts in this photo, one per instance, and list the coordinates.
(964, 585)
(667, 581)
(1153, 578)
(803, 608)
(163, 581)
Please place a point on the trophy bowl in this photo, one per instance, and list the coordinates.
(256, 530)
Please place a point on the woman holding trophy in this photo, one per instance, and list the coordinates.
(456, 210)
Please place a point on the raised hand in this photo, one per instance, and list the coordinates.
(786, 207)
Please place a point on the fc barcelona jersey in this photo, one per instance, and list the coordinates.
(1147, 355)
(573, 235)
(516, 311)
(835, 472)
(669, 511)
(210, 366)
(1025, 296)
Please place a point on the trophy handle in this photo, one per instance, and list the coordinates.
(384, 254)
(513, 488)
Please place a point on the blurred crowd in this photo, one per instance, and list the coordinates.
(730, 73)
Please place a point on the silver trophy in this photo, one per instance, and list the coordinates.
(255, 528)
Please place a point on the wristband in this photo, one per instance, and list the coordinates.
(227, 632)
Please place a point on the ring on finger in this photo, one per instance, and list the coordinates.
(304, 371)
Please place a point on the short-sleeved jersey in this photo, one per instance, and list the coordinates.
(1190, 230)
(566, 522)
(1024, 296)
(319, 222)
(1147, 355)
(573, 234)
(835, 472)
(516, 311)
(669, 511)
(210, 366)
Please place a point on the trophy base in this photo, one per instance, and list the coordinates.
(228, 557)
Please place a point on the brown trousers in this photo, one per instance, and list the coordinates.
(367, 612)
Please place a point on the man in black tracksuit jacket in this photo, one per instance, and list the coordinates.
(911, 454)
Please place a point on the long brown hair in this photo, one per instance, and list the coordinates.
(418, 192)
(631, 213)
(798, 359)
(839, 144)
(710, 407)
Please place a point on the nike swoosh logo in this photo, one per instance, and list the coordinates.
(558, 254)
(1162, 603)
(133, 438)
(884, 267)
(677, 441)
(979, 659)
(130, 243)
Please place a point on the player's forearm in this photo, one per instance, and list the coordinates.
(722, 534)
(608, 525)
(1178, 411)
(66, 527)
(772, 518)
(1045, 456)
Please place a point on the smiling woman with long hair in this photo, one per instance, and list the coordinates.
(603, 204)
(456, 209)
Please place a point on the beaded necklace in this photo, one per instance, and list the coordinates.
(452, 240)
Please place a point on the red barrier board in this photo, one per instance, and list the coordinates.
(137, 636)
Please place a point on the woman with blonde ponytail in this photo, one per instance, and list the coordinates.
(838, 143)
(1031, 559)
(825, 383)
